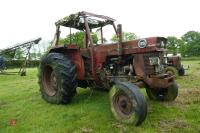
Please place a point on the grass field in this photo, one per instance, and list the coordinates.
(22, 110)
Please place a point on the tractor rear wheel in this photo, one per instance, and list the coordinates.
(181, 71)
(57, 78)
(171, 71)
(128, 104)
(164, 94)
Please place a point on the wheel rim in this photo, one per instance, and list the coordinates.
(49, 81)
(123, 105)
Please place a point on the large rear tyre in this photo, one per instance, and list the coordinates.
(57, 78)
(164, 94)
(128, 104)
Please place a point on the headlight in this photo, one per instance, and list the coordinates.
(142, 43)
(161, 44)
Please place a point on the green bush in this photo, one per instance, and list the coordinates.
(19, 63)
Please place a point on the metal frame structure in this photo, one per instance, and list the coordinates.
(26, 46)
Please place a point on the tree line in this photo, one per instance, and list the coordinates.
(78, 38)
(188, 45)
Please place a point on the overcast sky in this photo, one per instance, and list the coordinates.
(22, 20)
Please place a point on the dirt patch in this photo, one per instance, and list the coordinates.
(86, 130)
(197, 72)
(169, 125)
(186, 97)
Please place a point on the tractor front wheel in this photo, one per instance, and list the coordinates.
(164, 94)
(128, 104)
(57, 78)
(171, 71)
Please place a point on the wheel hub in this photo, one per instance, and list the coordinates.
(123, 104)
(170, 73)
(50, 81)
(53, 81)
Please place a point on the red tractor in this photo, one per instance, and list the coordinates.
(122, 68)
(173, 66)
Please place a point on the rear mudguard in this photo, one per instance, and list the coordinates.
(74, 54)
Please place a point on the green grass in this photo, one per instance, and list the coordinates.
(89, 111)
(190, 58)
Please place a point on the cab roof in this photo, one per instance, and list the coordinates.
(77, 20)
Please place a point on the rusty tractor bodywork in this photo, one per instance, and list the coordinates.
(174, 62)
(120, 67)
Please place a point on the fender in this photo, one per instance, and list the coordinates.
(73, 53)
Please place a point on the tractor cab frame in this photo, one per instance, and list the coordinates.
(84, 21)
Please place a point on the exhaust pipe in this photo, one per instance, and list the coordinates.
(119, 34)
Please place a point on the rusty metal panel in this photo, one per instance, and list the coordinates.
(158, 82)
(149, 69)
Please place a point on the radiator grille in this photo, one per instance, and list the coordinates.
(149, 69)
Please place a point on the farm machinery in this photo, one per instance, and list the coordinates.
(2, 64)
(121, 68)
(173, 66)
(11, 52)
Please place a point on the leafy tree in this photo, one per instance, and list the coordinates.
(19, 54)
(39, 54)
(9, 54)
(192, 43)
(33, 53)
(78, 38)
(13, 54)
(126, 36)
(174, 45)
